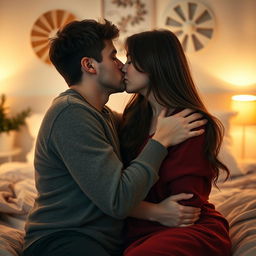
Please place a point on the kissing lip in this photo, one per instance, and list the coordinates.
(125, 80)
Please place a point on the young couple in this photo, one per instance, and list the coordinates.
(93, 168)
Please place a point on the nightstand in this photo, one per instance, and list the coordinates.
(10, 153)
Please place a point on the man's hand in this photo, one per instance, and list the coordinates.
(172, 214)
(177, 128)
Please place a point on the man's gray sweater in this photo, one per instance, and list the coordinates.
(82, 185)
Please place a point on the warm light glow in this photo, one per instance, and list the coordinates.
(4, 73)
(245, 106)
(240, 78)
(244, 97)
(239, 74)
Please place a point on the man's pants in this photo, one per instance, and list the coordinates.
(66, 243)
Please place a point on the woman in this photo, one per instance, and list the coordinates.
(157, 71)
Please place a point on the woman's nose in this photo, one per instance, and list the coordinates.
(124, 67)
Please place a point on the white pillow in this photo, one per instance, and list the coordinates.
(16, 171)
(33, 123)
(226, 155)
(225, 117)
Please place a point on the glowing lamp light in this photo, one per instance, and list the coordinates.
(244, 98)
(245, 106)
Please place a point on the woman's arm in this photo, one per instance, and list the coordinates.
(168, 212)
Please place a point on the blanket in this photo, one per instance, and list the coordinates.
(17, 194)
(236, 200)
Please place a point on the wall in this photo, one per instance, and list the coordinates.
(228, 62)
(226, 65)
(22, 73)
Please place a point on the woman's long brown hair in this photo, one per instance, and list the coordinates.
(159, 54)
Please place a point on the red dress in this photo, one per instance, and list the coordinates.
(185, 170)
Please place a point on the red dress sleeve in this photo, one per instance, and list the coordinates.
(186, 169)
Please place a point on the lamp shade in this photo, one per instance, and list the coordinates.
(245, 106)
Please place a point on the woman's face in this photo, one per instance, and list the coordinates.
(135, 81)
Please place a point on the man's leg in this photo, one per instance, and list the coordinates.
(66, 243)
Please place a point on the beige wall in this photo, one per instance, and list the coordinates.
(226, 64)
(22, 73)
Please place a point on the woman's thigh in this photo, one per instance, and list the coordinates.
(66, 243)
(188, 241)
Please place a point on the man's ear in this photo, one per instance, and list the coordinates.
(88, 65)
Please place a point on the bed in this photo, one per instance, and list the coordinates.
(235, 198)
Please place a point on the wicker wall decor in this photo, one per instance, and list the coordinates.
(131, 16)
(44, 28)
(191, 21)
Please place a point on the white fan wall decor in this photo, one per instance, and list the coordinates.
(44, 28)
(191, 21)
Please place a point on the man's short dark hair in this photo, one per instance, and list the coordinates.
(76, 40)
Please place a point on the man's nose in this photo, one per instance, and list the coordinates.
(124, 67)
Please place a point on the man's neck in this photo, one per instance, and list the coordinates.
(93, 95)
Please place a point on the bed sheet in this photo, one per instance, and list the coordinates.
(17, 193)
(235, 199)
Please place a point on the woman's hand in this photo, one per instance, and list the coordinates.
(168, 212)
(177, 128)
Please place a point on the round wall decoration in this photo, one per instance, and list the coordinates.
(45, 28)
(192, 22)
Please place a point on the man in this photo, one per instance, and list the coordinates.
(84, 193)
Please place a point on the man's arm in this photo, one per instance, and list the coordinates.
(87, 153)
(82, 140)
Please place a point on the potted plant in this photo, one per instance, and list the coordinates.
(9, 124)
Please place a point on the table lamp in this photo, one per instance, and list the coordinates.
(245, 106)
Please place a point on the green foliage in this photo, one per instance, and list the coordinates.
(8, 123)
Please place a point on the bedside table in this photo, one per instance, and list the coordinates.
(10, 153)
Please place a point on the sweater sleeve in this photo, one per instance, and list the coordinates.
(187, 170)
(80, 140)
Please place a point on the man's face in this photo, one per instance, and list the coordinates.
(110, 75)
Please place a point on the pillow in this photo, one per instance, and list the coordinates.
(33, 123)
(226, 155)
(225, 117)
(16, 171)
